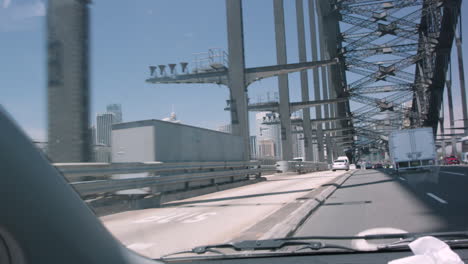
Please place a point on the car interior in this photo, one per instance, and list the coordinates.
(44, 220)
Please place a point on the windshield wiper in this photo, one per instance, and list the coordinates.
(455, 234)
(451, 238)
(456, 238)
(268, 244)
(405, 242)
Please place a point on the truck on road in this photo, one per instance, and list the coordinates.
(412, 149)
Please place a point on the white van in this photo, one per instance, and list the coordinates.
(341, 163)
(343, 158)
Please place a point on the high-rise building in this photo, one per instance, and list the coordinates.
(268, 132)
(225, 128)
(117, 110)
(68, 81)
(102, 153)
(104, 128)
(253, 147)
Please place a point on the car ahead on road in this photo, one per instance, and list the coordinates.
(451, 160)
(340, 164)
(378, 166)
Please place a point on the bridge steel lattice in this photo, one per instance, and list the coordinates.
(400, 51)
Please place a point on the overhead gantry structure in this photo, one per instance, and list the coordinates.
(390, 57)
(232, 72)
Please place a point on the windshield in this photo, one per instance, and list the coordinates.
(178, 121)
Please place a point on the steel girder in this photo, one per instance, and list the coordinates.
(383, 41)
(439, 23)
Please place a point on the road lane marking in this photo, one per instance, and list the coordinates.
(149, 219)
(401, 178)
(198, 218)
(176, 217)
(188, 216)
(169, 218)
(454, 173)
(440, 200)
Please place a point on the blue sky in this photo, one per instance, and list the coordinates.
(127, 37)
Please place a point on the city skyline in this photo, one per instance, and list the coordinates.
(104, 122)
(117, 110)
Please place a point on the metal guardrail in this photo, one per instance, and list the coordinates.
(160, 177)
(269, 168)
(156, 183)
(167, 177)
(301, 166)
(304, 166)
(78, 171)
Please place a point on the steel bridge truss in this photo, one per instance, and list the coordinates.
(401, 47)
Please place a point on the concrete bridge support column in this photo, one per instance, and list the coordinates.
(315, 74)
(283, 82)
(307, 128)
(238, 89)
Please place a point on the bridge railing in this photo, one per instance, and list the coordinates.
(83, 171)
(95, 178)
(301, 166)
(160, 177)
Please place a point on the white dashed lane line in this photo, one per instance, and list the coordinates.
(401, 178)
(435, 197)
(454, 173)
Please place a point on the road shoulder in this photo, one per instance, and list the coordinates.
(293, 214)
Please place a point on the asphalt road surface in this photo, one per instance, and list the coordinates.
(381, 201)
(213, 218)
